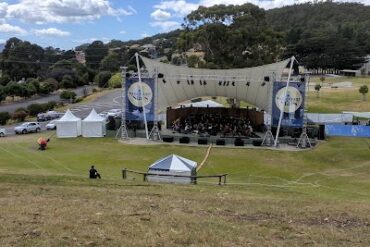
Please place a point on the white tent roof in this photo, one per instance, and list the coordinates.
(248, 84)
(173, 162)
(204, 103)
(94, 117)
(69, 117)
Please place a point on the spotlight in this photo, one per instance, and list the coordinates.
(178, 82)
(204, 83)
(160, 75)
(263, 84)
(266, 78)
(227, 84)
(192, 82)
(248, 83)
(224, 83)
(200, 82)
(164, 81)
(188, 82)
(220, 83)
(233, 83)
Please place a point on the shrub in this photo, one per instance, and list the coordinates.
(35, 109)
(115, 81)
(51, 105)
(21, 109)
(78, 99)
(68, 95)
(4, 117)
(20, 116)
(102, 78)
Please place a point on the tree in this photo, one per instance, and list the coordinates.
(67, 82)
(20, 115)
(14, 89)
(95, 53)
(317, 89)
(110, 63)
(68, 95)
(364, 90)
(2, 93)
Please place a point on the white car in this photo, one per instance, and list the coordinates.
(2, 132)
(52, 125)
(27, 127)
(116, 113)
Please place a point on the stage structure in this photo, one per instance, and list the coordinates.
(265, 87)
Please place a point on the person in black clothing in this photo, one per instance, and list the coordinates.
(93, 173)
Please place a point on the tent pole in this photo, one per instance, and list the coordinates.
(142, 95)
(283, 108)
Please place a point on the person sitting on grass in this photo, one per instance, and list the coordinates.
(93, 173)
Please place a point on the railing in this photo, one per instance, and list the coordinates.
(221, 177)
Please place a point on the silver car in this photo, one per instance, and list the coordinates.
(27, 127)
(52, 125)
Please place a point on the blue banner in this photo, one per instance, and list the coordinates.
(293, 105)
(347, 130)
(134, 93)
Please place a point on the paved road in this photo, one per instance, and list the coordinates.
(11, 107)
(103, 103)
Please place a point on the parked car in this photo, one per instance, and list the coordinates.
(2, 132)
(27, 127)
(116, 113)
(52, 125)
(49, 115)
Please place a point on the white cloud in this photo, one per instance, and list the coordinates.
(166, 25)
(179, 7)
(61, 11)
(51, 32)
(160, 15)
(7, 28)
(122, 32)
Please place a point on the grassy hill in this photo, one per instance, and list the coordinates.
(312, 197)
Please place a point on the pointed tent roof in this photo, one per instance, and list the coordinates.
(173, 162)
(94, 117)
(69, 117)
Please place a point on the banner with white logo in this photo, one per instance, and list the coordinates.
(293, 106)
(134, 101)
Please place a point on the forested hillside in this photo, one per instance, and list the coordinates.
(323, 35)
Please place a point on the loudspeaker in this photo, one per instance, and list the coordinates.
(321, 132)
(238, 142)
(257, 143)
(184, 139)
(167, 139)
(202, 141)
(220, 142)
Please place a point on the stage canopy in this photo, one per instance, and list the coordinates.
(253, 85)
(69, 125)
(93, 125)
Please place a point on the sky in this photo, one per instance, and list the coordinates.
(66, 24)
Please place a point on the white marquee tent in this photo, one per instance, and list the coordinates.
(93, 125)
(68, 126)
(172, 165)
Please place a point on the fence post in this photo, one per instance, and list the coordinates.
(225, 179)
(219, 180)
(124, 173)
(144, 177)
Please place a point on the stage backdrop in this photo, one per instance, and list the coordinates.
(134, 110)
(293, 105)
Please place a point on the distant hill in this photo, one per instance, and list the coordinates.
(2, 47)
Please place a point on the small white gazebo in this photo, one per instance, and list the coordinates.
(172, 165)
(93, 125)
(68, 126)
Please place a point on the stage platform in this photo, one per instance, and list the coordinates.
(168, 137)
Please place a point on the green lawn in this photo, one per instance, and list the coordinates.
(273, 198)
